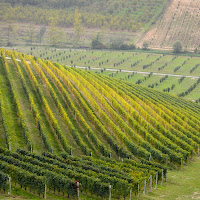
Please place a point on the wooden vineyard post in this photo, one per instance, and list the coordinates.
(150, 157)
(78, 190)
(150, 183)
(181, 163)
(162, 178)
(45, 191)
(130, 193)
(110, 155)
(192, 154)
(91, 154)
(109, 192)
(71, 153)
(31, 149)
(52, 150)
(9, 191)
(138, 190)
(156, 180)
(9, 146)
(145, 184)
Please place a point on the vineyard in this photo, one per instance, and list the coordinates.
(61, 173)
(183, 71)
(179, 23)
(62, 125)
(113, 15)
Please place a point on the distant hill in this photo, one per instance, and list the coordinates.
(112, 14)
(179, 23)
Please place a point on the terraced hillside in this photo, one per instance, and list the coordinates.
(179, 23)
(52, 108)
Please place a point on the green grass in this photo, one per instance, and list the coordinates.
(167, 83)
(181, 185)
(194, 94)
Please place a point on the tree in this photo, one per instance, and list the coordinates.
(56, 35)
(52, 32)
(10, 32)
(31, 34)
(78, 29)
(195, 50)
(145, 46)
(97, 42)
(116, 43)
(41, 34)
(177, 48)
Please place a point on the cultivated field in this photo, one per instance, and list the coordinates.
(177, 75)
(90, 119)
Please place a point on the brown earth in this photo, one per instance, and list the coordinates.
(180, 22)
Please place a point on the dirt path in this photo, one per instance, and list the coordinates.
(129, 71)
(139, 72)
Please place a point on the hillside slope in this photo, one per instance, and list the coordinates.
(110, 132)
(112, 14)
(174, 74)
(179, 23)
(65, 109)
